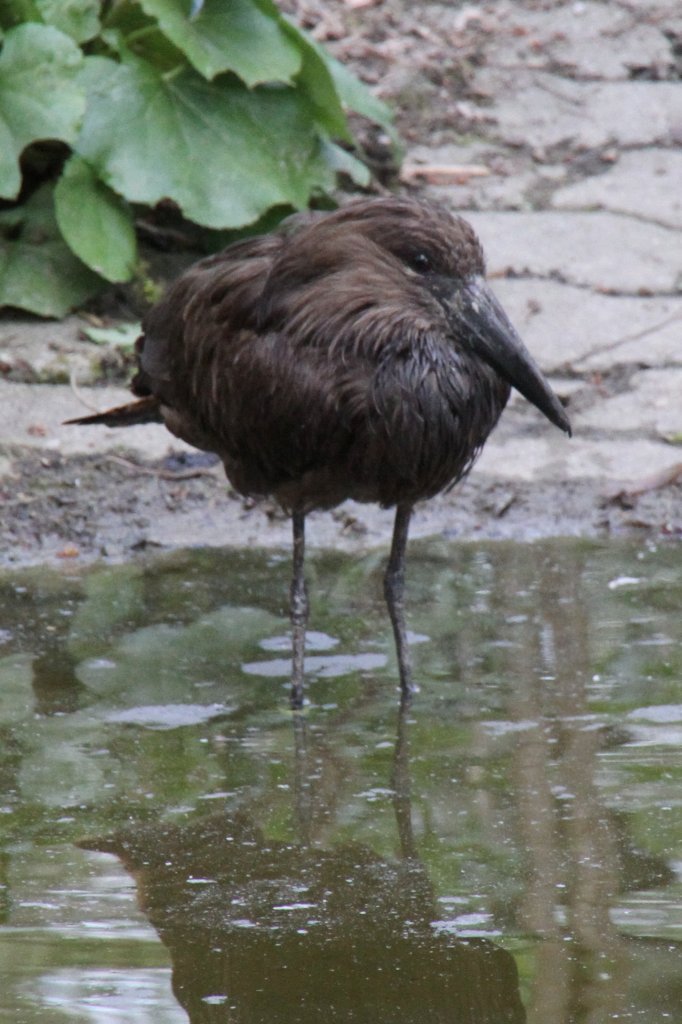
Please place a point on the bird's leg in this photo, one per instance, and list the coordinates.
(394, 589)
(299, 611)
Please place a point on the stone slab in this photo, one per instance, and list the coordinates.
(49, 351)
(540, 110)
(582, 37)
(33, 415)
(651, 405)
(602, 251)
(510, 180)
(569, 327)
(561, 459)
(645, 183)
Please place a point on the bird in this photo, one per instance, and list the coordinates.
(357, 353)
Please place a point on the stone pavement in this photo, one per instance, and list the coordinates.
(575, 114)
(581, 217)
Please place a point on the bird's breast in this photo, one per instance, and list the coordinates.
(431, 412)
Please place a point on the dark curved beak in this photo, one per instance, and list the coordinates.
(491, 336)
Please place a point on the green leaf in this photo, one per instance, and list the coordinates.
(317, 84)
(38, 271)
(345, 163)
(223, 153)
(77, 18)
(40, 97)
(132, 34)
(353, 93)
(14, 12)
(96, 223)
(229, 35)
(356, 96)
(97, 74)
(222, 107)
(121, 335)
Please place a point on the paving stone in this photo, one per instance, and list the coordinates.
(645, 183)
(511, 180)
(540, 110)
(499, 192)
(566, 326)
(657, 343)
(652, 404)
(583, 248)
(33, 415)
(557, 458)
(49, 351)
(587, 38)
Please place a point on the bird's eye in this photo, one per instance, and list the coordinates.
(420, 262)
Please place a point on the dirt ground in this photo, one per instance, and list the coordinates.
(556, 129)
(113, 506)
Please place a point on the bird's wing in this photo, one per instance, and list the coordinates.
(274, 354)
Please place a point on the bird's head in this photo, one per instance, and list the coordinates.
(442, 253)
(377, 262)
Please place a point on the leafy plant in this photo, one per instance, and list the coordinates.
(222, 108)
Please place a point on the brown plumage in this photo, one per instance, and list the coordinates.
(354, 354)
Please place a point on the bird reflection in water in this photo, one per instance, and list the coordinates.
(353, 354)
(264, 931)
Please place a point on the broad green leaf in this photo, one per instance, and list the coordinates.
(317, 84)
(38, 271)
(14, 12)
(40, 97)
(97, 74)
(228, 35)
(121, 335)
(354, 94)
(345, 163)
(136, 36)
(77, 18)
(125, 18)
(223, 153)
(95, 222)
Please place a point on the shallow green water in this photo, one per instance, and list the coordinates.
(171, 836)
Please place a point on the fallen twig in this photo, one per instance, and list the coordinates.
(164, 474)
(653, 482)
(78, 393)
(442, 174)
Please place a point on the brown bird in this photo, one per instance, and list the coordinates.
(353, 354)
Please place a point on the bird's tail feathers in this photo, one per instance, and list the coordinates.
(147, 410)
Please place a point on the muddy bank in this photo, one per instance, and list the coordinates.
(114, 506)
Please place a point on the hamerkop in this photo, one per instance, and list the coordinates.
(353, 354)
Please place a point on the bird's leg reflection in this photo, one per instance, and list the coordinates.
(299, 610)
(302, 780)
(400, 784)
(394, 591)
(262, 930)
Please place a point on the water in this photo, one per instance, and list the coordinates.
(175, 844)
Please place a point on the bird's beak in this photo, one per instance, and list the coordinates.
(492, 337)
